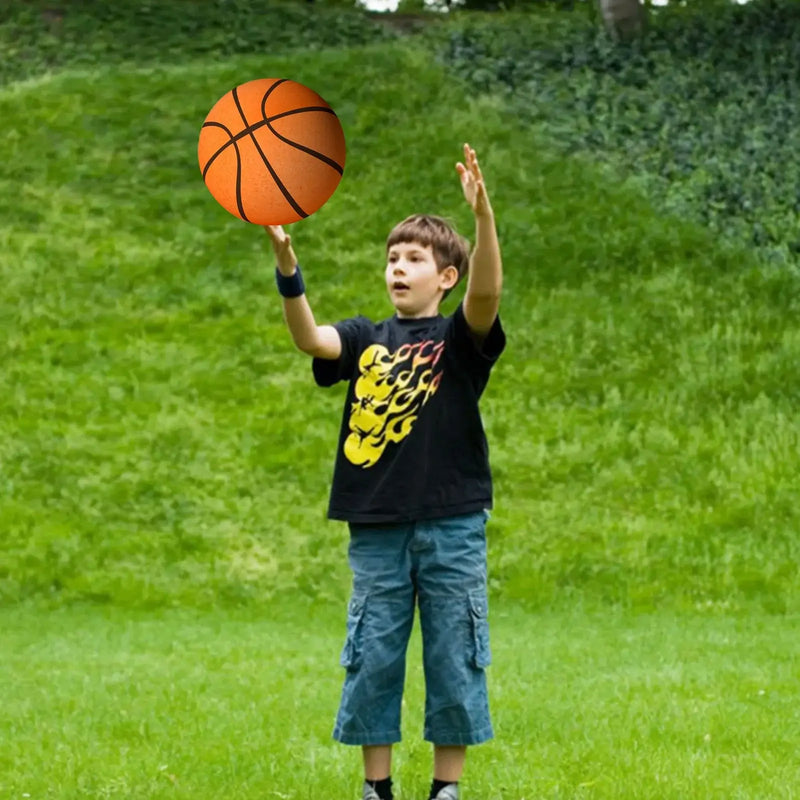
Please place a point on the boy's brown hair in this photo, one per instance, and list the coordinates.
(448, 246)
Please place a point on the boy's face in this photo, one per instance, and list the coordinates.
(414, 283)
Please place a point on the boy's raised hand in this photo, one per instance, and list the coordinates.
(282, 245)
(472, 183)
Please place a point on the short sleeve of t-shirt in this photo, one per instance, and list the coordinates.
(327, 371)
(478, 357)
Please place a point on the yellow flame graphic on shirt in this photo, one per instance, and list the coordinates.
(389, 394)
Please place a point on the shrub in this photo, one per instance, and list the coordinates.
(36, 37)
(704, 112)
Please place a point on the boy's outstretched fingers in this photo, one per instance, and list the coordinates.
(472, 182)
(277, 234)
(472, 160)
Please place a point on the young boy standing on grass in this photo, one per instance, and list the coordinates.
(412, 479)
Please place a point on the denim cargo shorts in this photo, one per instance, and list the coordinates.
(439, 565)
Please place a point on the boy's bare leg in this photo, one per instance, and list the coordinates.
(448, 762)
(377, 761)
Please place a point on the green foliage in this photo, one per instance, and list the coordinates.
(41, 35)
(517, 5)
(705, 113)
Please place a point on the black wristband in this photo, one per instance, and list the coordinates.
(290, 285)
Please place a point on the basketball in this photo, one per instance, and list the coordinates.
(271, 151)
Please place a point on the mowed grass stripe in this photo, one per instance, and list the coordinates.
(187, 704)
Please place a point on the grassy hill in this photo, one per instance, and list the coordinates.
(162, 443)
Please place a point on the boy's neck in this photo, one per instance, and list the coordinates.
(430, 311)
(404, 318)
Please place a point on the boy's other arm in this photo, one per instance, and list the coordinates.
(320, 341)
(485, 275)
(485, 281)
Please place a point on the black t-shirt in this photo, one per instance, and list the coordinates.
(412, 444)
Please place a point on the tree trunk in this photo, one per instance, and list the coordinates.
(623, 19)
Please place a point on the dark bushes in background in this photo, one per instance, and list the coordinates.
(38, 36)
(705, 110)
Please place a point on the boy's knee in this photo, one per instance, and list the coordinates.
(455, 630)
(378, 630)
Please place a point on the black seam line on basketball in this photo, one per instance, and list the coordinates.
(326, 109)
(239, 203)
(268, 93)
(329, 161)
(255, 126)
(231, 138)
(264, 122)
(231, 141)
(284, 191)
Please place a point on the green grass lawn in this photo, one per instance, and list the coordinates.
(162, 442)
(103, 702)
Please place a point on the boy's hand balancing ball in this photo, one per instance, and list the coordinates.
(271, 151)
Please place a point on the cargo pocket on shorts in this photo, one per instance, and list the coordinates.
(481, 655)
(351, 652)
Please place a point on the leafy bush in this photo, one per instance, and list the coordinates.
(36, 37)
(705, 111)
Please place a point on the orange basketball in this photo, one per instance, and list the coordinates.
(271, 151)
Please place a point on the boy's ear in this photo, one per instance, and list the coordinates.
(450, 272)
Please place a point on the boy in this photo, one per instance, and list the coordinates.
(412, 480)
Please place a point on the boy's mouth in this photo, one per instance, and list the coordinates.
(399, 286)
